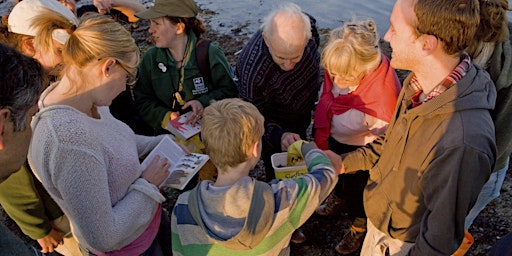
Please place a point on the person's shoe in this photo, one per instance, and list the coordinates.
(352, 241)
(333, 204)
(298, 237)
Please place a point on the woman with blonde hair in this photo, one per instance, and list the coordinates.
(357, 101)
(88, 160)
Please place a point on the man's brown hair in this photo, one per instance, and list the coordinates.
(453, 22)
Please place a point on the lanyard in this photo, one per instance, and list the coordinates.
(177, 95)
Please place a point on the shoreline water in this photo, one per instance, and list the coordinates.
(244, 17)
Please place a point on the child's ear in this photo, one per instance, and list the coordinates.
(27, 45)
(255, 149)
(4, 117)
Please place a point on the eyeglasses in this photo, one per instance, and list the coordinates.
(349, 80)
(131, 79)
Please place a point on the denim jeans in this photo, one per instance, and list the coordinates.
(490, 191)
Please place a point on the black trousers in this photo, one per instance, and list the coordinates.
(350, 187)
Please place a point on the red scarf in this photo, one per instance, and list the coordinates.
(376, 95)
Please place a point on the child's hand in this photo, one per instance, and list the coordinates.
(51, 241)
(157, 171)
(295, 153)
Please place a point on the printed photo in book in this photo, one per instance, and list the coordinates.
(183, 166)
(181, 130)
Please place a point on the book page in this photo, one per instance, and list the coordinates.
(183, 166)
(184, 131)
(185, 169)
(167, 148)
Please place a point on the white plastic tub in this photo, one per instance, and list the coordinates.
(284, 172)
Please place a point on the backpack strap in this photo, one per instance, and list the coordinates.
(203, 59)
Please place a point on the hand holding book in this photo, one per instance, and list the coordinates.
(181, 129)
(197, 111)
(157, 170)
(181, 164)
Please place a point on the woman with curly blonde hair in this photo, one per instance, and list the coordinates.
(356, 104)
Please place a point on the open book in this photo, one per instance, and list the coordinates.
(183, 166)
(181, 130)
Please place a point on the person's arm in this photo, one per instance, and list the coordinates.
(127, 7)
(250, 81)
(51, 241)
(251, 84)
(322, 123)
(85, 193)
(153, 108)
(364, 158)
(309, 190)
(451, 184)
(21, 201)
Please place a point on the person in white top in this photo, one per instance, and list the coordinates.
(357, 101)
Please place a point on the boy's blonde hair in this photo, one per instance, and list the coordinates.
(229, 129)
(352, 49)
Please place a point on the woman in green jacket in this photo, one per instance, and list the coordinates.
(170, 80)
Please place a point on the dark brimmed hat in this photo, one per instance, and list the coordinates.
(172, 8)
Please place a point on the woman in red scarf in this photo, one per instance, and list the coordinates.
(357, 102)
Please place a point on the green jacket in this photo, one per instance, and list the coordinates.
(159, 80)
(26, 201)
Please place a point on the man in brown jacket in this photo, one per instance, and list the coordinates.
(428, 169)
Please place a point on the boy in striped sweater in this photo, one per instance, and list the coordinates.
(237, 214)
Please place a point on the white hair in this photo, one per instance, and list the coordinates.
(293, 12)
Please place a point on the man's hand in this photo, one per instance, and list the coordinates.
(336, 161)
(51, 241)
(287, 139)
